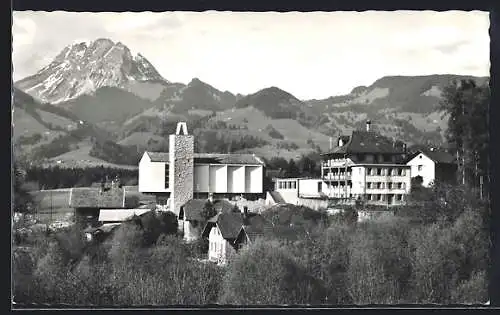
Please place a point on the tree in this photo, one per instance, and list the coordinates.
(292, 169)
(467, 106)
(22, 199)
(283, 282)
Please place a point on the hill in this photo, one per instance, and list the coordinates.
(107, 104)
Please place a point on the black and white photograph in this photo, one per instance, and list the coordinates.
(222, 158)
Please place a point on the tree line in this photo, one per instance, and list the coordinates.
(55, 177)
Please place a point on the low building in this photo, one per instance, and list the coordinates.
(108, 216)
(227, 232)
(88, 202)
(433, 165)
(181, 175)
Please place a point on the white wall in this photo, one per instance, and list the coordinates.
(358, 180)
(201, 178)
(218, 178)
(253, 179)
(428, 171)
(216, 245)
(151, 175)
(191, 232)
(236, 179)
(309, 187)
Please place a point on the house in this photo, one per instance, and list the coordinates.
(109, 216)
(364, 166)
(177, 176)
(227, 232)
(433, 165)
(190, 216)
(87, 202)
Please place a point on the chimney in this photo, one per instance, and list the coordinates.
(368, 123)
(244, 214)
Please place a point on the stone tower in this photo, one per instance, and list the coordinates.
(181, 166)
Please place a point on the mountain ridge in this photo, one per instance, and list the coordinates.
(403, 107)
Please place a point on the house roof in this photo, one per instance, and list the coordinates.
(438, 156)
(119, 215)
(368, 142)
(223, 205)
(211, 158)
(158, 156)
(231, 223)
(256, 227)
(96, 198)
(192, 209)
(106, 228)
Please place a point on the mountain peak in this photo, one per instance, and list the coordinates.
(84, 67)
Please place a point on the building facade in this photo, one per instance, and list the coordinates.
(432, 165)
(181, 175)
(365, 166)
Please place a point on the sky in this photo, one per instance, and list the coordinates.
(312, 55)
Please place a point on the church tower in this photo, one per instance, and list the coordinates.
(181, 166)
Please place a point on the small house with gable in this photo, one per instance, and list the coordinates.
(433, 165)
(227, 232)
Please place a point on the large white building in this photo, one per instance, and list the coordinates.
(364, 166)
(181, 175)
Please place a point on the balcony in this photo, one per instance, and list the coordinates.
(331, 176)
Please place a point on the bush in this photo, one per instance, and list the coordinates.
(284, 282)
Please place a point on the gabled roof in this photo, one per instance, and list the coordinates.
(369, 142)
(211, 158)
(192, 209)
(97, 198)
(223, 205)
(230, 225)
(437, 156)
(256, 227)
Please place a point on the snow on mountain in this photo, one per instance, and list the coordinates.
(82, 68)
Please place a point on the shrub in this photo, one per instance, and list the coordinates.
(284, 282)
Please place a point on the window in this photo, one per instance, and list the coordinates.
(390, 185)
(419, 167)
(379, 171)
(381, 197)
(167, 176)
(319, 186)
(400, 185)
(294, 185)
(368, 197)
(369, 171)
